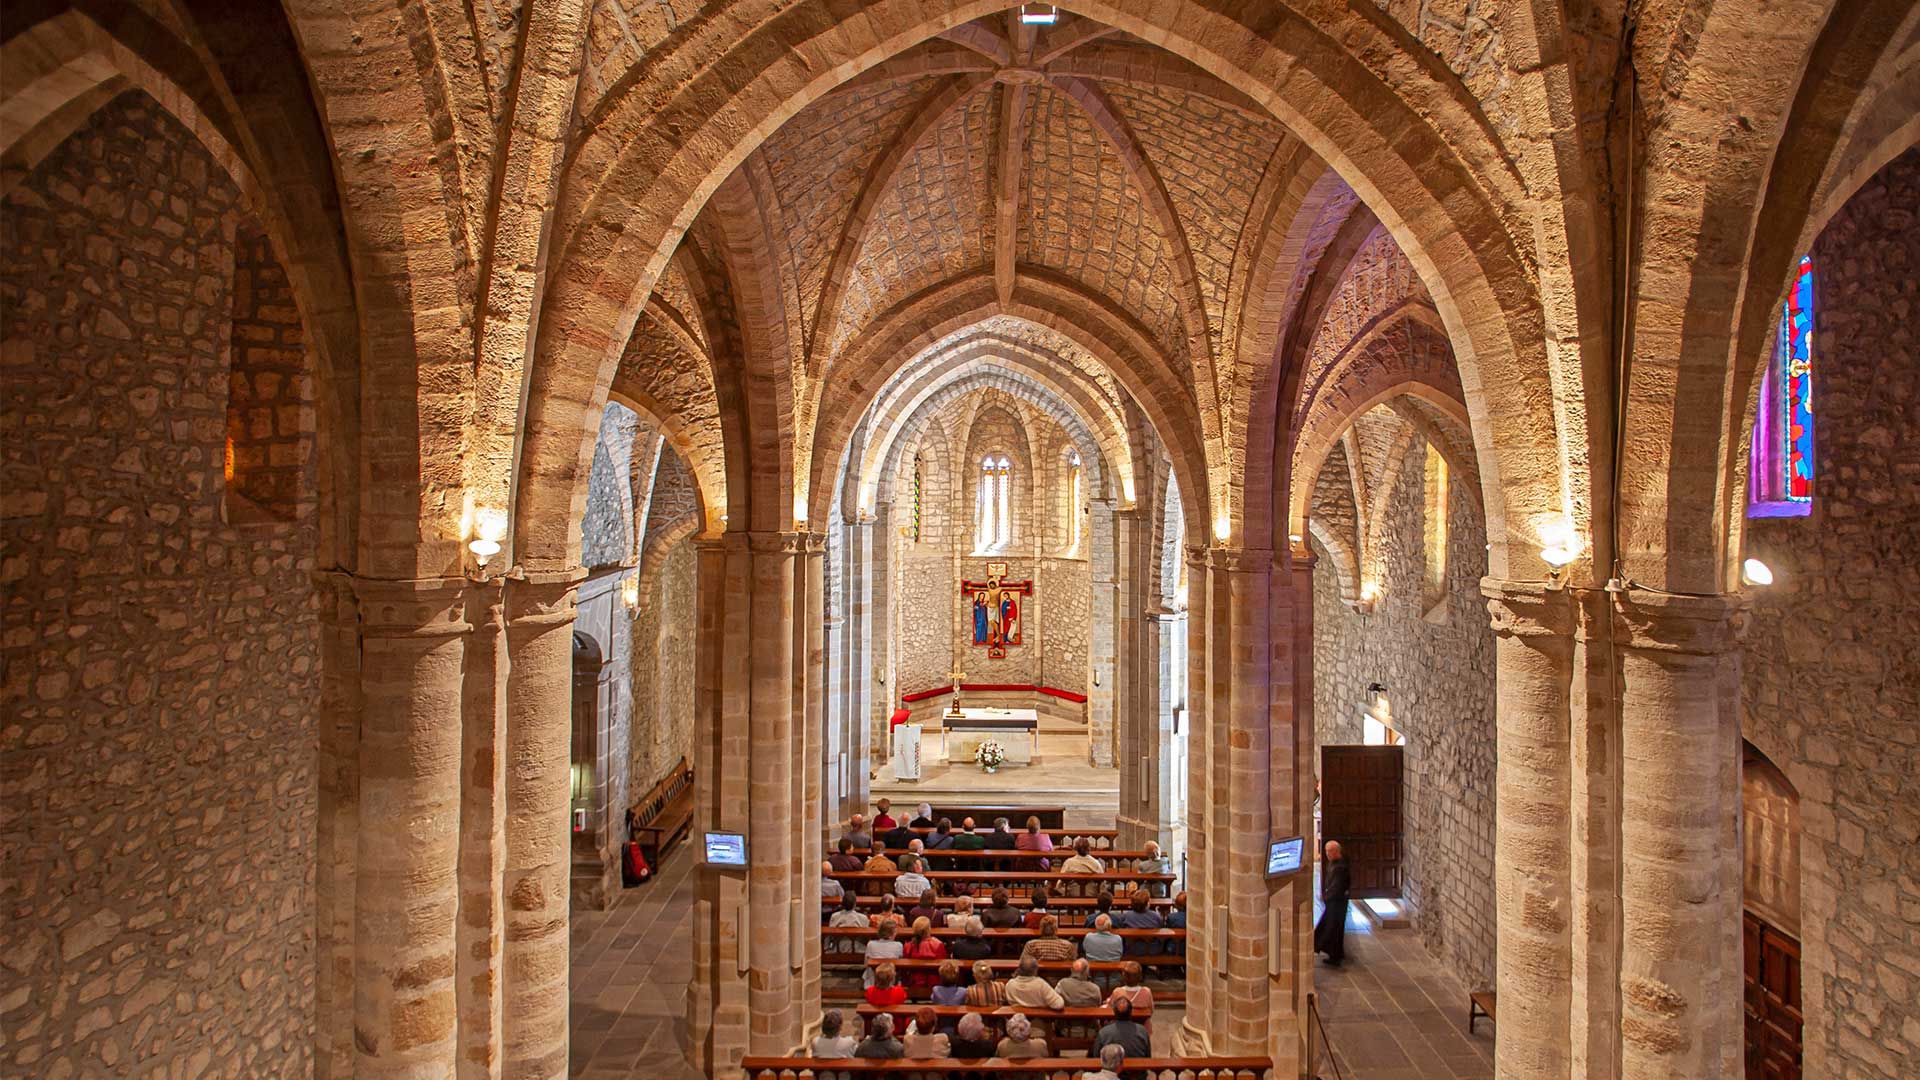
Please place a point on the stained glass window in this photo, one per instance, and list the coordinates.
(1780, 476)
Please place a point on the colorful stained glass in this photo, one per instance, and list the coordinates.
(1796, 381)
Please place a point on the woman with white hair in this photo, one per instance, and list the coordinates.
(962, 911)
(922, 817)
(1021, 1042)
(880, 1042)
(971, 1040)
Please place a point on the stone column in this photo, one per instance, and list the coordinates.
(1104, 567)
(1680, 979)
(1534, 646)
(406, 861)
(771, 790)
(857, 789)
(536, 886)
(882, 653)
(483, 835)
(336, 824)
(1162, 629)
(1136, 732)
(1206, 827)
(717, 994)
(808, 833)
(1290, 787)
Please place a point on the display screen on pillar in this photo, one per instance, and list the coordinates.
(726, 849)
(1284, 856)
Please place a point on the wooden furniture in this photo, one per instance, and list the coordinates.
(1176, 1068)
(1772, 1000)
(1016, 882)
(1480, 1003)
(1051, 817)
(1360, 807)
(664, 814)
(1006, 966)
(975, 726)
(1066, 1030)
(1070, 910)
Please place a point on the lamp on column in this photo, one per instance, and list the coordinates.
(1755, 572)
(489, 528)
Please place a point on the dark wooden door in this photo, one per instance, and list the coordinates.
(1360, 807)
(1772, 1001)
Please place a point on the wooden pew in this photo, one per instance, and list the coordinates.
(1016, 882)
(1069, 909)
(1066, 1030)
(1051, 817)
(1174, 1068)
(1007, 967)
(1097, 837)
(664, 813)
(850, 940)
(1106, 855)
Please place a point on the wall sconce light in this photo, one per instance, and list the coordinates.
(1556, 557)
(1370, 595)
(490, 527)
(1755, 572)
(1222, 529)
(1376, 689)
(630, 592)
(1039, 14)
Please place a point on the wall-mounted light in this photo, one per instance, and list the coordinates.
(1556, 558)
(1755, 572)
(630, 592)
(1371, 593)
(1039, 14)
(1222, 529)
(489, 528)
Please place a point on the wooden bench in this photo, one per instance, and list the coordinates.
(1106, 855)
(1070, 1029)
(1069, 909)
(1005, 967)
(1016, 882)
(847, 940)
(1051, 817)
(1174, 1068)
(664, 814)
(1097, 837)
(1480, 1003)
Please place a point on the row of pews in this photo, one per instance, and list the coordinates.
(1196, 1068)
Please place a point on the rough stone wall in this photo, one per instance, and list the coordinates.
(1831, 676)
(662, 730)
(270, 420)
(606, 532)
(1439, 676)
(160, 666)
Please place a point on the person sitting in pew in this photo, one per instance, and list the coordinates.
(941, 838)
(970, 1038)
(927, 907)
(911, 882)
(880, 1042)
(1177, 918)
(922, 817)
(1000, 914)
(1102, 905)
(986, 990)
(1134, 991)
(962, 911)
(1000, 839)
(884, 946)
(1125, 1033)
(857, 834)
(1021, 1042)
(952, 990)
(878, 864)
(975, 945)
(830, 1043)
(1083, 861)
(1140, 914)
(1153, 862)
(900, 837)
(843, 859)
(968, 840)
(1111, 1059)
(886, 913)
(829, 888)
(849, 913)
(886, 991)
(1035, 839)
(1078, 989)
(1028, 990)
(923, 946)
(1101, 943)
(883, 820)
(1049, 946)
(1039, 910)
(924, 1037)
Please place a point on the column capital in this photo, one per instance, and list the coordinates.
(770, 542)
(1689, 625)
(1529, 608)
(1240, 560)
(409, 607)
(542, 598)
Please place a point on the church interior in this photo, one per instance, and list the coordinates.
(1142, 538)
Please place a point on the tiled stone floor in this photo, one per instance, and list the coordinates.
(1391, 1011)
(1394, 1013)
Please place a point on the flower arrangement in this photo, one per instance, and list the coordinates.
(989, 754)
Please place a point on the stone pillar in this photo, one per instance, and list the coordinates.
(406, 866)
(807, 833)
(536, 886)
(857, 790)
(1594, 806)
(336, 824)
(717, 994)
(1162, 630)
(881, 656)
(1136, 731)
(1534, 657)
(483, 836)
(772, 791)
(1206, 826)
(1680, 979)
(1104, 567)
(1290, 786)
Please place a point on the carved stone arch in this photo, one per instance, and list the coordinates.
(706, 494)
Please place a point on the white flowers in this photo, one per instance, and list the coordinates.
(989, 754)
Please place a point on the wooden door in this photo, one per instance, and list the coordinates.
(1772, 1001)
(1360, 807)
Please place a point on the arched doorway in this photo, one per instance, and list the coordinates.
(1770, 917)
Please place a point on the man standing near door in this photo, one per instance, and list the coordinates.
(1330, 933)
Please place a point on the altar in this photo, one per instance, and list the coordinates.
(1016, 730)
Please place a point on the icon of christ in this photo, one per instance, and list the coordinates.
(996, 612)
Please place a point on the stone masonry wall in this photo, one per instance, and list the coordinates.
(662, 730)
(606, 531)
(1439, 677)
(1831, 673)
(160, 666)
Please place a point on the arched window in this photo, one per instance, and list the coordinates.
(1074, 499)
(993, 523)
(1780, 468)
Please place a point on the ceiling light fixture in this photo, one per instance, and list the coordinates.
(1039, 14)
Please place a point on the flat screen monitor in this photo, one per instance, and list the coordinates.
(1284, 856)
(726, 849)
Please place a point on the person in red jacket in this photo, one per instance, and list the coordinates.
(883, 820)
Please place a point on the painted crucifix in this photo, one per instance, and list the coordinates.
(996, 609)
